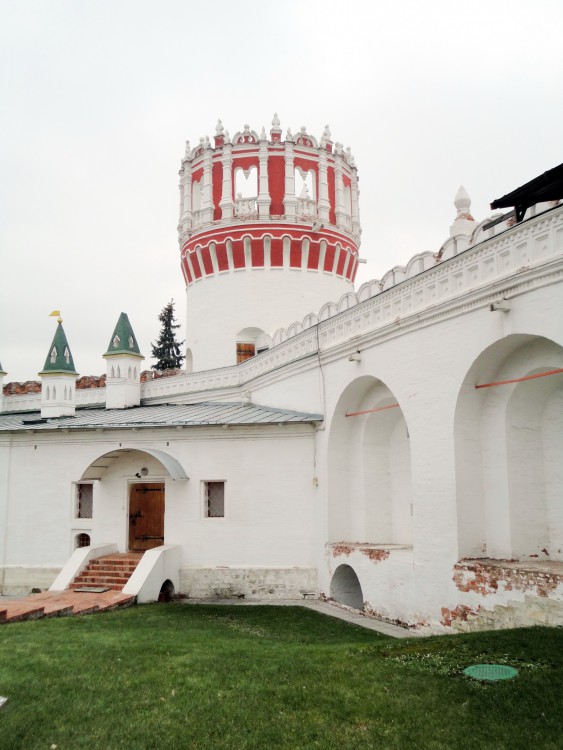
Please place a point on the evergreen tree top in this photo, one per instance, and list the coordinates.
(167, 350)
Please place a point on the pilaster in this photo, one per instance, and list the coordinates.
(289, 199)
(226, 203)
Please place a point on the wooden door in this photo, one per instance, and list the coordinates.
(146, 516)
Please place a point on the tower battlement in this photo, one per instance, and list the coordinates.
(298, 205)
(269, 230)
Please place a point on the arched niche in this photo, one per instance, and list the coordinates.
(508, 448)
(370, 494)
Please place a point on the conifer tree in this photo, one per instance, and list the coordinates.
(167, 350)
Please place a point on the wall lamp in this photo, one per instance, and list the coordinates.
(355, 356)
(143, 473)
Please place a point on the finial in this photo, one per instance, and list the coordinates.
(201, 141)
(276, 121)
(338, 148)
(288, 135)
(187, 151)
(247, 128)
(206, 142)
(326, 132)
(219, 129)
(56, 314)
(227, 137)
(303, 129)
(263, 136)
(462, 202)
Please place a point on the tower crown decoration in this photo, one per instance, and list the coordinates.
(256, 200)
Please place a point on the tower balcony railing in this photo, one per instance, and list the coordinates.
(306, 208)
(246, 208)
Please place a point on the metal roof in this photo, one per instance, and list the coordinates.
(164, 415)
(547, 187)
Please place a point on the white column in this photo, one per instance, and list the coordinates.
(356, 228)
(207, 198)
(263, 192)
(226, 203)
(323, 201)
(339, 190)
(186, 196)
(289, 199)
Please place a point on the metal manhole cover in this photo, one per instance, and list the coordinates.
(490, 672)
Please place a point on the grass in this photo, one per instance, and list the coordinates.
(232, 678)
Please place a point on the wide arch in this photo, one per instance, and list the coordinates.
(97, 468)
(369, 467)
(508, 444)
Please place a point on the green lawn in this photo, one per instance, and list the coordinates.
(210, 677)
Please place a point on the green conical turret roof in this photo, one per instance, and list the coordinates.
(59, 359)
(123, 339)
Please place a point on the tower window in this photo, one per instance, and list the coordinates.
(53, 355)
(116, 341)
(214, 498)
(245, 351)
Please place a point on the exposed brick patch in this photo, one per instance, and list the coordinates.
(90, 381)
(486, 576)
(375, 555)
(83, 383)
(461, 612)
(20, 389)
(342, 549)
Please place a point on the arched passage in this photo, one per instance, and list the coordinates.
(345, 587)
(370, 497)
(508, 446)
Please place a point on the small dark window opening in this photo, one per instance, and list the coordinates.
(82, 540)
(244, 352)
(215, 499)
(262, 349)
(84, 498)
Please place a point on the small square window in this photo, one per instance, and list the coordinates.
(84, 500)
(214, 497)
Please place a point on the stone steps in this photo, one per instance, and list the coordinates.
(61, 604)
(110, 572)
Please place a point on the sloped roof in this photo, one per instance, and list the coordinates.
(59, 358)
(547, 187)
(165, 415)
(123, 339)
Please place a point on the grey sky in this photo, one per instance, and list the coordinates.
(98, 98)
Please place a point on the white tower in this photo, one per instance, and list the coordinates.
(269, 231)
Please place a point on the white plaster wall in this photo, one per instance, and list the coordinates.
(220, 306)
(269, 511)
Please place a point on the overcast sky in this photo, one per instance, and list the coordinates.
(98, 97)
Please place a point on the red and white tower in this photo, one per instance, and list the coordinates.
(269, 231)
